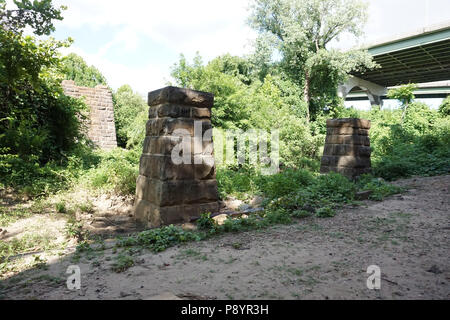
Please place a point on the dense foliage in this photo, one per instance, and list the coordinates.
(75, 68)
(130, 114)
(42, 150)
(406, 142)
(243, 101)
(38, 123)
(300, 31)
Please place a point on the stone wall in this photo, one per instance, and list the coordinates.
(169, 191)
(100, 124)
(347, 147)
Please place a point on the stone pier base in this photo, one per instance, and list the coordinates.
(170, 189)
(347, 147)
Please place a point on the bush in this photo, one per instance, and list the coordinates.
(205, 222)
(418, 146)
(325, 212)
(444, 108)
(116, 172)
(379, 188)
(29, 177)
(130, 114)
(284, 183)
(160, 239)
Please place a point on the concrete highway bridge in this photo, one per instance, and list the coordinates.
(421, 57)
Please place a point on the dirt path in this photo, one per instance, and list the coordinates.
(407, 236)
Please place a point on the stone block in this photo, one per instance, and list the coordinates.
(163, 145)
(163, 168)
(176, 192)
(347, 139)
(347, 131)
(173, 111)
(350, 173)
(349, 122)
(346, 150)
(167, 126)
(345, 161)
(181, 96)
(201, 113)
(204, 169)
(155, 216)
(170, 110)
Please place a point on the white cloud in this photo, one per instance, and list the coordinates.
(143, 79)
(210, 27)
(176, 24)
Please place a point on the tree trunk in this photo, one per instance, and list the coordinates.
(404, 112)
(306, 96)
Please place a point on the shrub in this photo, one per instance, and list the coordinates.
(116, 172)
(418, 146)
(128, 107)
(325, 212)
(122, 263)
(160, 239)
(282, 184)
(444, 108)
(61, 207)
(205, 222)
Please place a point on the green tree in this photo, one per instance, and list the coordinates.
(223, 76)
(405, 94)
(38, 15)
(444, 108)
(301, 30)
(75, 68)
(129, 105)
(242, 101)
(37, 121)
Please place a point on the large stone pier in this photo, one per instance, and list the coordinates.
(347, 147)
(101, 129)
(177, 178)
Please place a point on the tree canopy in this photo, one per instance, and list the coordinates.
(37, 121)
(130, 115)
(75, 68)
(300, 31)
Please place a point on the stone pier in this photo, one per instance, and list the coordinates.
(177, 178)
(347, 147)
(101, 129)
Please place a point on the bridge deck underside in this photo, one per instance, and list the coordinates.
(418, 64)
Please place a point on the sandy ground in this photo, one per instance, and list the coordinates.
(406, 235)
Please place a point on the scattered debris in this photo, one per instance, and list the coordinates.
(363, 195)
(164, 296)
(435, 269)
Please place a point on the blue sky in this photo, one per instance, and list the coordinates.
(137, 41)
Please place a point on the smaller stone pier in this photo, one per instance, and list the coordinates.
(347, 147)
(177, 178)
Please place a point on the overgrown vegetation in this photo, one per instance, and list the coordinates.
(43, 150)
(418, 144)
(311, 194)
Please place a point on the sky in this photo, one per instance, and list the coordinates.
(136, 42)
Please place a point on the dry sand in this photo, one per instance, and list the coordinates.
(406, 235)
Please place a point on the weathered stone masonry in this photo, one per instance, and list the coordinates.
(101, 127)
(347, 147)
(167, 192)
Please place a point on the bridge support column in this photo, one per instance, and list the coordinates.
(374, 99)
(373, 90)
